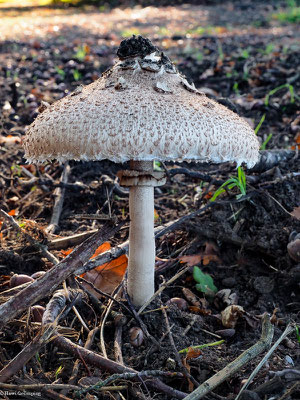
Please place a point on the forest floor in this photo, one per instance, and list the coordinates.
(244, 54)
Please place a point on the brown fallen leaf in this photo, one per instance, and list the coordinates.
(198, 310)
(205, 257)
(101, 249)
(231, 315)
(107, 276)
(224, 298)
(188, 368)
(193, 353)
(198, 259)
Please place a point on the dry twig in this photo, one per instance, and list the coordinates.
(263, 343)
(103, 363)
(46, 284)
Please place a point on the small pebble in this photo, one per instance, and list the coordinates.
(229, 282)
(293, 249)
(226, 333)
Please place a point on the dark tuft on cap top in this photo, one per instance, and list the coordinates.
(135, 46)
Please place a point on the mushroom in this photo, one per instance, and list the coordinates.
(140, 110)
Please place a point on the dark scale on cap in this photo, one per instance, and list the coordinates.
(135, 46)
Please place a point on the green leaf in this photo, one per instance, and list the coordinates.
(218, 192)
(201, 346)
(205, 282)
(297, 333)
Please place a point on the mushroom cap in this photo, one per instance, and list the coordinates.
(140, 109)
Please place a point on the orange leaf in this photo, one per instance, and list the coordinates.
(198, 310)
(208, 195)
(101, 249)
(65, 253)
(188, 367)
(118, 265)
(205, 257)
(198, 258)
(12, 212)
(107, 276)
(297, 141)
(193, 353)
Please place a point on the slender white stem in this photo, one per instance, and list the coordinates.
(141, 243)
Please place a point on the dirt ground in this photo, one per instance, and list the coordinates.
(238, 53)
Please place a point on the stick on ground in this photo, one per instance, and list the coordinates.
(263, 343)
(46, 284)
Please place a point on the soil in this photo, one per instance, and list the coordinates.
(237, 53)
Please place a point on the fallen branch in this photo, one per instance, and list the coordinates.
(271, 158)
(54, 386)
(263, 343)
(46, 284)
(194, 174)
(98, 361)
(130, 375)
(70, 241)
(286, 332)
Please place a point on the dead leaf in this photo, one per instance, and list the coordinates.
(198, 310)
(65, 253)
(191, 297)
(187, 366)
(205, 257)
(107, 276)
(231, 315)
(101, 249)
(193, 353)
(198, 259)
(224, 298)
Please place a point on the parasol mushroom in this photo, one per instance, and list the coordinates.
(140, 110)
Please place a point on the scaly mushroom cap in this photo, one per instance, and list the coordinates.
(140, 109)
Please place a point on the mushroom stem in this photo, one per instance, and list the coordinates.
(141, 238)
